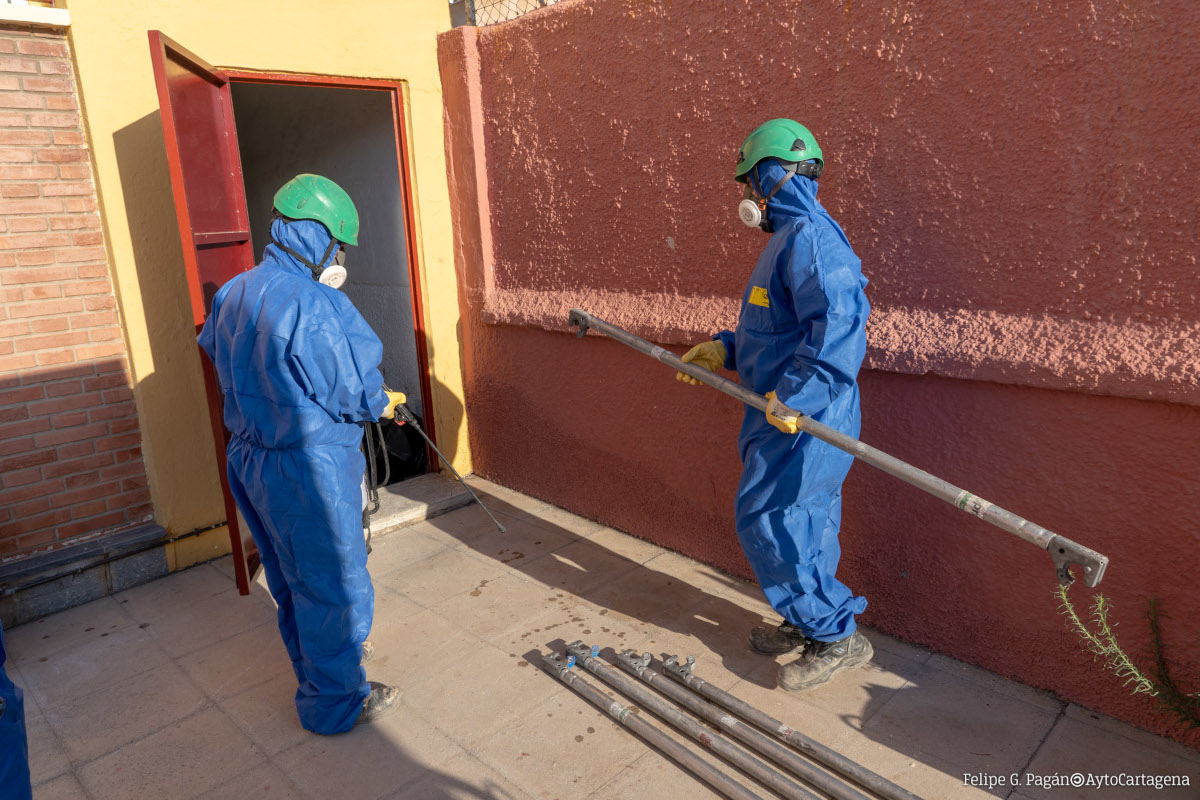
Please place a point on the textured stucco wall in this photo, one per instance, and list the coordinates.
(1020, 186)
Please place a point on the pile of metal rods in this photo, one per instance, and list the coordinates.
(803, 764)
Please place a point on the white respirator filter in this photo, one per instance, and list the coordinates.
(333, 276)
(750, 213)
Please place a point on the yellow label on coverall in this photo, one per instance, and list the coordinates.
(758, 297)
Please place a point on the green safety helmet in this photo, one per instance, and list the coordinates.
(317, 198)
(784, 139)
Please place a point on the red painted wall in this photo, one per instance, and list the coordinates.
(1020, 187)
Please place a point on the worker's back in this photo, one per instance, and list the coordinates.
(297, 363)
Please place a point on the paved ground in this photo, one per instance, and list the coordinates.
(181, 688)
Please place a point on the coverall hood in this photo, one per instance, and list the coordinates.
(307, 237)
(796, 198)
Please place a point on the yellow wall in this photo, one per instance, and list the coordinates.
(387, 39)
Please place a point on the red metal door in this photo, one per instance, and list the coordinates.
(210, 202)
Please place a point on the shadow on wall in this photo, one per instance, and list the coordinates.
(171, 394)
(70, 456)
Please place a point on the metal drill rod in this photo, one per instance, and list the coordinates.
(809, 747)
(411, 419)
(1063, 551)
(785, 757)
(685, 758)
(759, 771)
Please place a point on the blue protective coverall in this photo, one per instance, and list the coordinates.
(14, 747)
(801, 334)
(299, 369)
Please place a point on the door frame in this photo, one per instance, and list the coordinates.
(395, 89)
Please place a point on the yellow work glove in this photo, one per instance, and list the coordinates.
(782, 417)
(710, 355)
(394, 399)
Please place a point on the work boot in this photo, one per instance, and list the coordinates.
(787, 638)
(368, 653)
(379, 702)
(822, 660)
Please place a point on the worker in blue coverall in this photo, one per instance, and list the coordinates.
(800, 341)
(299, 370)
(14, 747)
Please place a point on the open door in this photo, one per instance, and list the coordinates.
(210, 202)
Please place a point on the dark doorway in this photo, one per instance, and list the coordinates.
(349, 136)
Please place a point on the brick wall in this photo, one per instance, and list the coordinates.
(70, 450)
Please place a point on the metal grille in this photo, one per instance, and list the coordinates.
(489, 12)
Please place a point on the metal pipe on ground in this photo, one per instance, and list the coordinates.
(668, 712)
(809, 747)
(785, 757)
(1063, 552)
(685, 758)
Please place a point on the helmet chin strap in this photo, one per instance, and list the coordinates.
(316, 269)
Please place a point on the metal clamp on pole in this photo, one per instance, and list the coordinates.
(1064, 552)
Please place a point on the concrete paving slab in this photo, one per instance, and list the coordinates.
(404, 547)
(239, 662)
(522, 541)
(85, 668)
(267, 714)
(462, 778)
(264, 782)
(47, 756)
(578, 566)
(506, 500)
(64, 787)
(1102, 751)
(443, 575)
(97, 724)
(369, 761)
(564, 747)
(622, 544)
(76, 626)
(193, 627)
(655, 775)
(157, 599)
(563, 521)
(979, 728)
(410, 648)
(701, 577)
(647, 596)
(567, 619)
(715, 633)
(491, 608)
(465, 526)
(479, 690)
(177, 762)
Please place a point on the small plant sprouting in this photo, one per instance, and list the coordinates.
(1101, 640)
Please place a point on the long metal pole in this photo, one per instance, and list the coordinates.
(685, 758)
(781, 755)
(586, 655)
(813, 749)
(1063, 551)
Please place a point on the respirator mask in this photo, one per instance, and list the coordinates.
(333, 275)
(753, 209)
